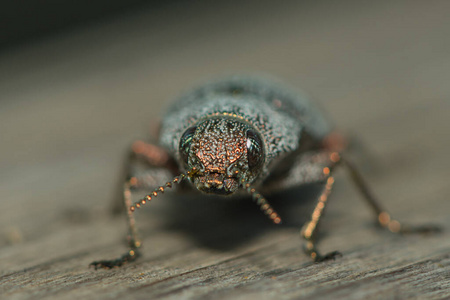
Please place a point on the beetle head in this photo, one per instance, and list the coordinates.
(222, 154)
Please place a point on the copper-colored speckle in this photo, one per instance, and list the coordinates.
(394, 226)
(334, 157)
(384, 218)
(133, 181)
(330, 180)
(277, 103)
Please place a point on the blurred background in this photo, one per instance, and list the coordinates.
(80, 80)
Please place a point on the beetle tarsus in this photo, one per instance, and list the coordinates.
(311, 250)
(422, 229)
(329, 256)
(130, 256)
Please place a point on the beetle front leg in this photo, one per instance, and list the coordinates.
(161, 164)
(310, 230)
(311, 167)
(133, 240)
(149, 154)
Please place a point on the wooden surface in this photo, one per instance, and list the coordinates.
(71, 104)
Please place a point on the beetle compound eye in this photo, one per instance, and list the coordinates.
(185, 143)
(255, 151)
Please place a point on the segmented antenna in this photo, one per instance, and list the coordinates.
(263, 204)
(156, 192)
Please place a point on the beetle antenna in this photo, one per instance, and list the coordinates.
(159, 190)
(263, 204)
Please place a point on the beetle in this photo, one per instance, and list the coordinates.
(245, 135)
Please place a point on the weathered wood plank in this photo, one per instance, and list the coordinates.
(71, 105)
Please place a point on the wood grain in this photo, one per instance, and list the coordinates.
(71, 105)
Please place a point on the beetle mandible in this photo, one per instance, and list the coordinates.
(251, 135)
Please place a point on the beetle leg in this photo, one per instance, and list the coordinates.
(149, 154)
(133, 240)
(384, 219)
(161, 164)
(310, 230)
(309, 167)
